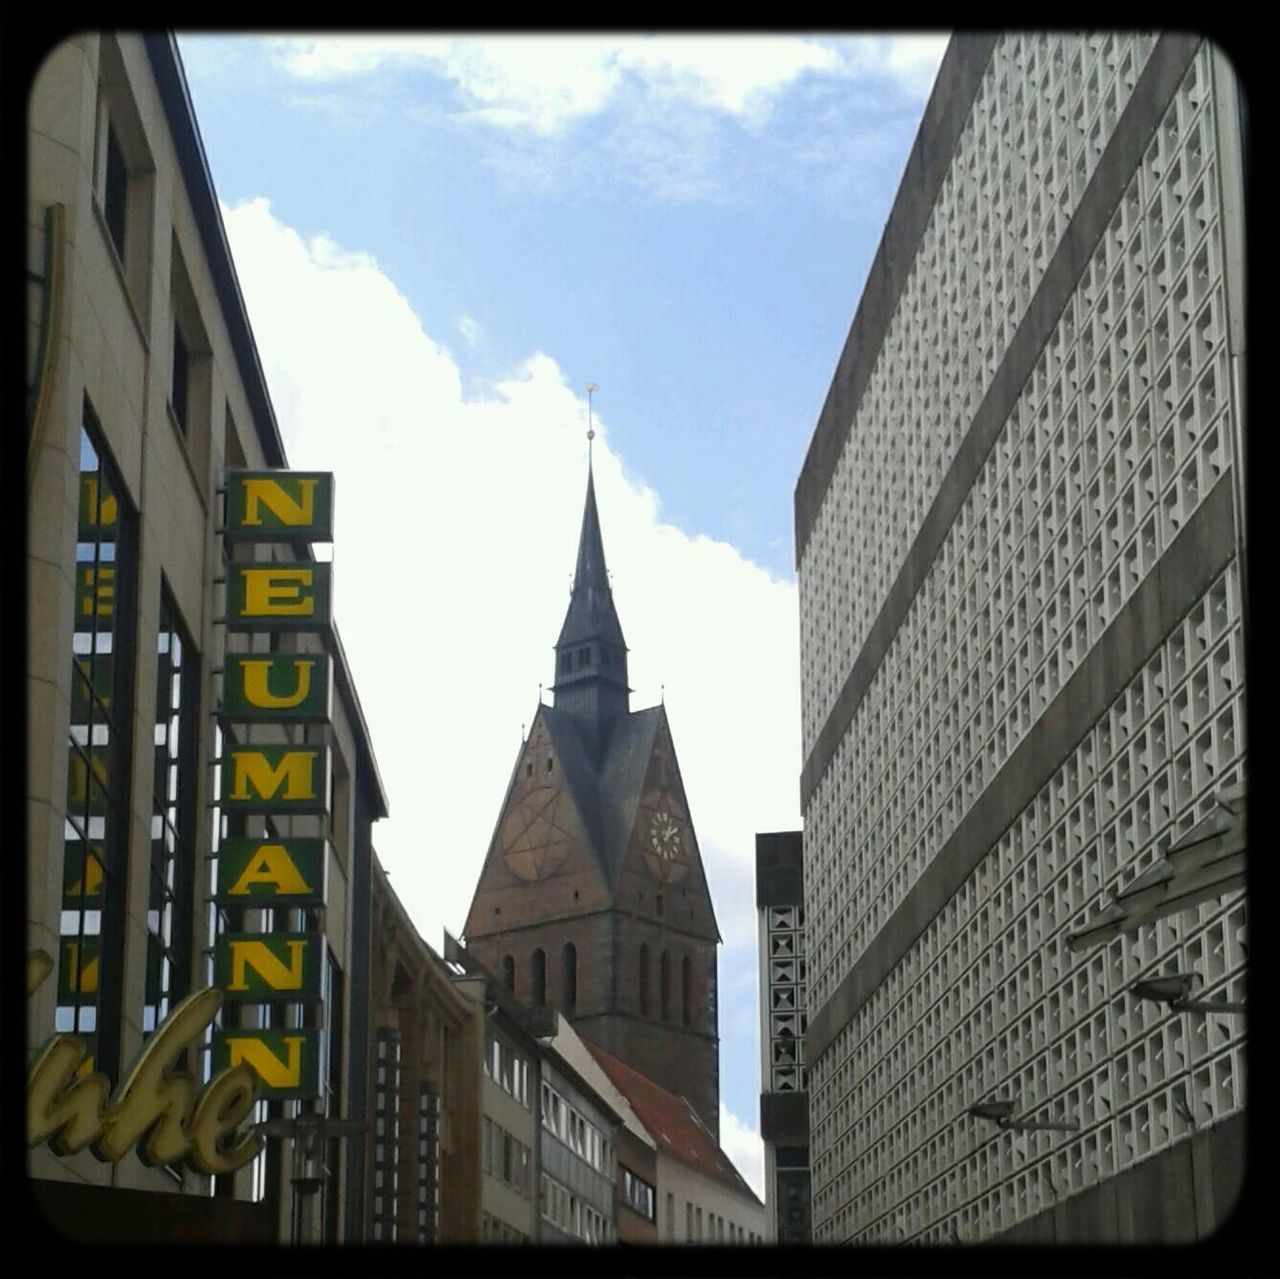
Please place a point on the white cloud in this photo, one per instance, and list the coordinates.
(456, 530)
(739, 74)
(914, 60)
(469, 327)
(743, 1145)
(544, 82)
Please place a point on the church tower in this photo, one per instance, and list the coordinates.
(593, 897)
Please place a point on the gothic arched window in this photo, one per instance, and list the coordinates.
(508, 972)
(644, 980)
(664, 984)
(570, 983)
(686, 990)
(539, 976)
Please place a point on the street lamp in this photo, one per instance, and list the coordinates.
(309, 1132)
(1174, 989)
(1000, 1111)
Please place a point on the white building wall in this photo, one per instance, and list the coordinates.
(710, 1200)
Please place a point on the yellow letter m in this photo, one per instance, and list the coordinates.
(293, 778)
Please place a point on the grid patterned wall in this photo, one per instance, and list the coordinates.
(786, 978)
(991, 1000)
(1119, 433)
(1039, 123)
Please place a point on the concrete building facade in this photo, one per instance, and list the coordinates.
(145, 389)
(1020, 544)
(784, 1109)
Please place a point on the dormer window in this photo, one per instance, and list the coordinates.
(584, 655)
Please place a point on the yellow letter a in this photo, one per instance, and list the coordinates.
(271, 864)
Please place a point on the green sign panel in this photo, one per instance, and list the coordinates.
(275, 779)
(282, 688)
(284, 872)
(287, 1062)
(280, 506)
(280, 597)
(261, 967)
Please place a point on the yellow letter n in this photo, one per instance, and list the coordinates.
(272, 495)
(274, 1072)
(257, 955)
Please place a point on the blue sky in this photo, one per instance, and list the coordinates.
(441, 241)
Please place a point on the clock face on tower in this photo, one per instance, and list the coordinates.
(664, 850)
(534, 838)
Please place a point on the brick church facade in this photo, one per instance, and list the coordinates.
(593, 897)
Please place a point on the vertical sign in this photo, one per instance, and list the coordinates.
(281, 780)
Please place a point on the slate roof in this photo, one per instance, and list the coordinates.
(671, 1122)
(607, 798)
(591, 613)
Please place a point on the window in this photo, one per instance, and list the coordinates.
(688, 1222)
(428, 1163)
(570, 977)
(507, 1069)
(697, 1223)
(638, 1195)
(671, 1215)
(115, 190)
(181, 377)
(95, 851)
(386, 1136)
(507, 1159)
(686, 990)
(509, 972)
(190, 385)
(664, 984)
(568, 1213)
(579, 1134)
(169, 896)
(539, 966)
(124, 177)
(644, 980)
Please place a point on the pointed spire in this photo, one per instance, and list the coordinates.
(591, 654)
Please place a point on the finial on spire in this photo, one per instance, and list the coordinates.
(539, 694)
(662, 694)
(592, 388)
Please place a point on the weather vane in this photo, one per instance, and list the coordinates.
(592, 388)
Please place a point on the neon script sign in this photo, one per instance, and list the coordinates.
(156, 1107)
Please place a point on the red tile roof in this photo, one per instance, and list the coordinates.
(671, 1122)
